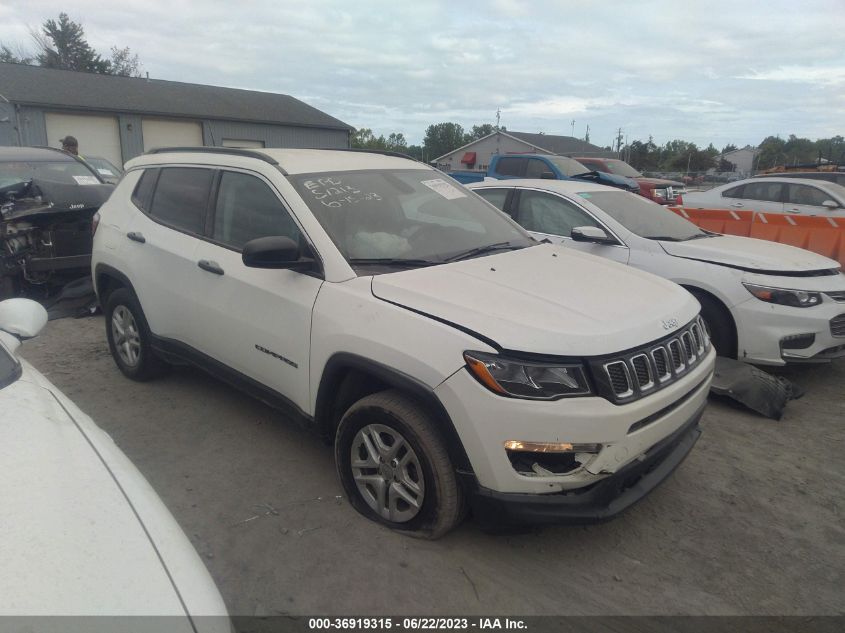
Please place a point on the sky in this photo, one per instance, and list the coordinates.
(711, 71)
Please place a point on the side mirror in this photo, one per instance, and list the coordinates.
(23, 318)
(830, 204)
(275, 251)
(593, 234)
(548, 175)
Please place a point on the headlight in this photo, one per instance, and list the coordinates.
(524, 379)
(784, 296)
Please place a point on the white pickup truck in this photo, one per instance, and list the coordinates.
(453, 360)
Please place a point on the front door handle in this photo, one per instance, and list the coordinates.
(212, 267)
(738, 205)
(136, 237)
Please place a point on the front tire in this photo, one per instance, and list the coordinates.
(395, 468)
(129, 338)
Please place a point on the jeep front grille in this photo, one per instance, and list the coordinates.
(646, 369)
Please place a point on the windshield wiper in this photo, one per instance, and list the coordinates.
(699, 236)
(664, 238)
(481, 250)
(391, 261)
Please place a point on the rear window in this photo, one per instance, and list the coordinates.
(764, 191)
(181, 198)
(65, 172)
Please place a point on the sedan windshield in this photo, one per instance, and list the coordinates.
(644, 217)
(407, 218)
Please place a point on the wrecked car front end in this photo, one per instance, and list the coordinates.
(45, 224)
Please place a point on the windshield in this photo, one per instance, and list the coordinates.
(410, 215)
(569, 166)
(64, 172)
(621, 168)
(10, 369)
(103, 167)
(643, 217)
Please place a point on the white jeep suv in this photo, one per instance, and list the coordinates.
(452, 359)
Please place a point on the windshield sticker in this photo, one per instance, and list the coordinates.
(444, 188)
(332, 192)
(585, 195)
(105, 172)
(86, 180)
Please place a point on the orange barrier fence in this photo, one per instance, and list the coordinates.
(820, 234)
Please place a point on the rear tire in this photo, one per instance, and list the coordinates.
(719, 323)
(395, 468)
(129, 338)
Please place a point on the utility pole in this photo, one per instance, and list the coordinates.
(587, 135)
(619, 138)
(573, 128)
(498, 129)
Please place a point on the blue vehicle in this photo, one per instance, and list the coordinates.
(547, 166)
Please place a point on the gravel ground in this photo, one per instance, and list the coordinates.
(750, 524)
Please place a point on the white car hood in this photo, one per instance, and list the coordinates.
(545, 299)
(750, 253)
(72, 542)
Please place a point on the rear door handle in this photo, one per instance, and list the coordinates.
(212, 267)
(136, 237)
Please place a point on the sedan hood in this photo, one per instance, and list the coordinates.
(545, 300)
(750, 254)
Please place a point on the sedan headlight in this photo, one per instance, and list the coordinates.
(785, 296)
(525, 379)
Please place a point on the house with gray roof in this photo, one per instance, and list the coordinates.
(475, 156)
(121, 117)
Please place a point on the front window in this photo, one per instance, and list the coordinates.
(10, 369)
(405, 217)
(643, 217)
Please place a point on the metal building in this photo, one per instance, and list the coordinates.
(121, 117)
(475, 156)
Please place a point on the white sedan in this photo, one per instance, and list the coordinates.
(83, 533)
(772, 194)
(764, 302)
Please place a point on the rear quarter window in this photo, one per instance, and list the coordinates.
(143, 194)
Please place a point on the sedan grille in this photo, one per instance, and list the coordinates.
(649, 368)
(837, 325)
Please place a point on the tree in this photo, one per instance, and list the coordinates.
(728, 148)
(363, 138)
(479, 131)
(67, 48)
(124, 63)
(18, 56)
(442, 138)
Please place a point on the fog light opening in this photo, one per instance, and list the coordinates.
(548, 459)
(797, 341)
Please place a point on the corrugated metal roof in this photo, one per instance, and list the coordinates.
(33, 85)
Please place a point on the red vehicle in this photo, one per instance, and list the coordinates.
(657, 189)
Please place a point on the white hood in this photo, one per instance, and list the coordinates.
(545, 300)
(750, 253)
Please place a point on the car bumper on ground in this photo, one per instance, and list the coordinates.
(770, 334)
(599, 502)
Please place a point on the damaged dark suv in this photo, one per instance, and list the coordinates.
(48, 199)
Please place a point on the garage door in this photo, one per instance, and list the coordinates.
(241, 142)
(165, 133)
(97, 135)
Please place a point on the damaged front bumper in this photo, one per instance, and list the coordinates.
(595, 503)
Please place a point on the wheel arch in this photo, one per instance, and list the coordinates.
(107, 279)
(349, 377)
(697, 292)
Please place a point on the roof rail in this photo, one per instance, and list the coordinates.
(236, 151)
(384, 152)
